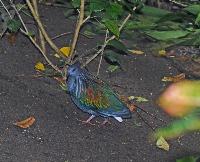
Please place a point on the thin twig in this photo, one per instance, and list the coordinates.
(100, 61)
(6, 9)
(153, 129)
(178, 3)
(42, 40)
(155, 117)
(40, 25)
(26, 32)
(76, 33)
(108, 40)
(67, 33)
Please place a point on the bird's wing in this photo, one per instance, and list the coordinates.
(101, 98)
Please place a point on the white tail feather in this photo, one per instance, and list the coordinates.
(119, 119)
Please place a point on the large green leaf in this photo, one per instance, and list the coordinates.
(97, 5)
(167, 35)
(118, 45)
(114, 10)
(193, 9)
(112, 26)
(152, 11)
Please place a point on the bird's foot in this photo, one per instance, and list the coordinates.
(106, 121)
(88, 121)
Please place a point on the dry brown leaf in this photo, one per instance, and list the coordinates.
(25, 123)
(11, 38)
(162, 144)
(176, 78)
(130, 105)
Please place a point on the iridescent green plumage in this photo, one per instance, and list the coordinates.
(94, 96)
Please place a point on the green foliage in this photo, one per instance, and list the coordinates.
(112, 27)
(188, 159)
(13, 25)
(167, 35)
(118, 45)
(184, 103)
(193, 9)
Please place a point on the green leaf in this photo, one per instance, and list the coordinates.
(112, 68)
(13, 25)
(76, 3)
(118, 45)
(197, 21)
(114, 10)
(143, 22)
(97, 5)
(193, 9)
(112, 27)
(188, 159)
(112, 57)
(155, 12)
(179, 127)
(167, 35)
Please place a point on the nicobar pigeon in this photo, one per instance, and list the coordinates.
(93, 96)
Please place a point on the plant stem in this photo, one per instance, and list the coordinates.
(42, 40)
(100, 61)
(6, 9)
(108, 40)
(26, 32)
(76, 33)
(40, 25)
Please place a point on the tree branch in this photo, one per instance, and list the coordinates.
(80, 21)
(26, 32)
(101, 50)
(40, 25)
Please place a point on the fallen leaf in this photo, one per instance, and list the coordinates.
(12, 38)
(25, 123)
(136, 52)
(162, 53)
(162, 144)
(39, 66)
(56, 55)
(131, 107)
(65, 51)
(112, 68)
(137, 98)
(176, 78)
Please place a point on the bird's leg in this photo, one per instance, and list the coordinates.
(105, 121)
(88, 120)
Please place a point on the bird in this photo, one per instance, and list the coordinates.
(94, 96)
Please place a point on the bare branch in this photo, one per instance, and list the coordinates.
(78, 26)
(108, 40)
(26, 32)
(40, 25)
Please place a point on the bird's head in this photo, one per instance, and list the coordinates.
(74, 70)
